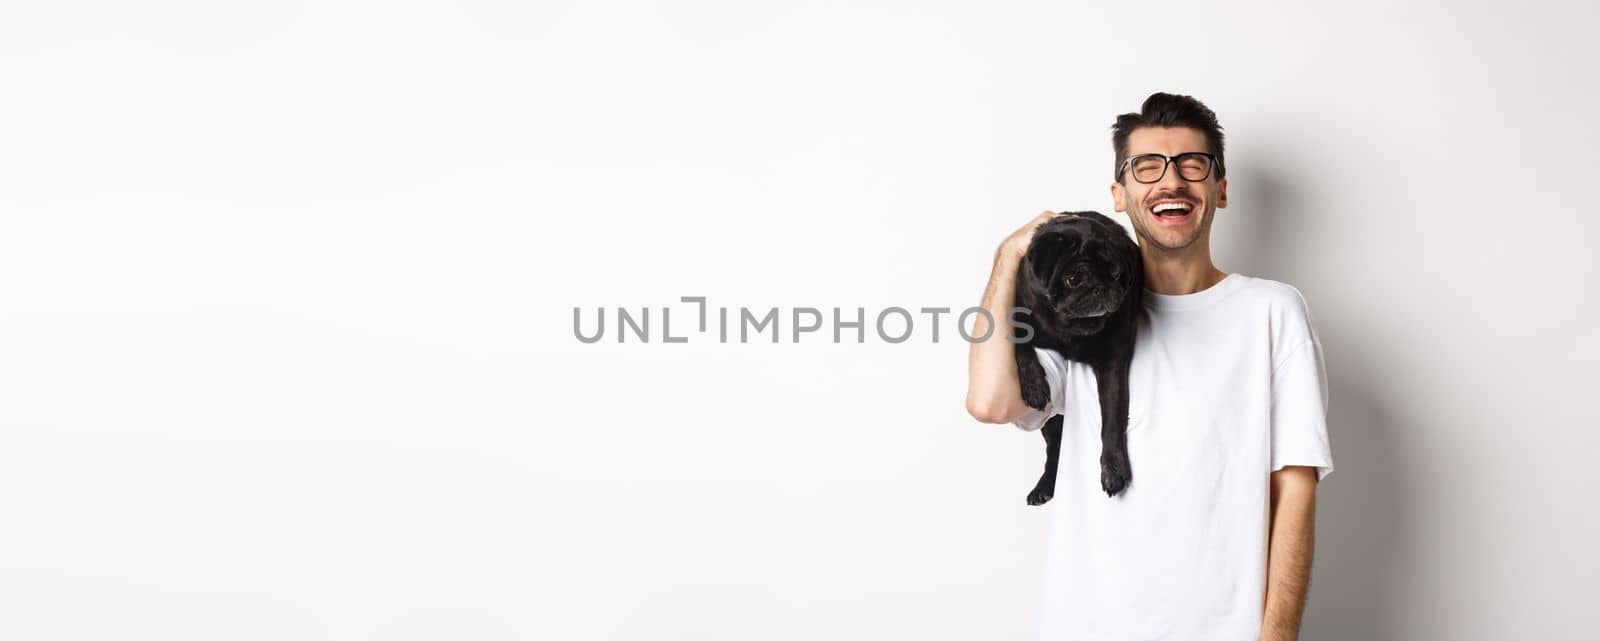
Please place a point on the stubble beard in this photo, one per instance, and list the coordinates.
(1148, 237)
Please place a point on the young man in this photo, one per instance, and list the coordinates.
(1226, 435)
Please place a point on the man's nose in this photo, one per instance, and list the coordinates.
(1170, 180)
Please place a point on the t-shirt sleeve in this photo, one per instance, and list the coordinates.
(1053, 373)
(1300, 409)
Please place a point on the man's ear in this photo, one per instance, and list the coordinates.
(1222, 194)
(1116, 196)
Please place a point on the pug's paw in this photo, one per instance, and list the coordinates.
(1042, 492)
(1115, 470)
(1035, 392)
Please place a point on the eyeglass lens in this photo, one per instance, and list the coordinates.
(1193, 167)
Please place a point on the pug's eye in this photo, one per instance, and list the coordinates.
(1116, 270)
(1073, 280)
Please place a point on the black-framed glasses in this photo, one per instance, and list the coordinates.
(1193, 166)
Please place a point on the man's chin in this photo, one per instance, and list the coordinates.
(1173, 242)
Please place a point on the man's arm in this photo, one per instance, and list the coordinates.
(994, 393)
(1289, 551)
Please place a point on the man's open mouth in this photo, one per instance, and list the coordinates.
(1172, 210)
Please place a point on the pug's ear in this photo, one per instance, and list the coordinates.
(1138, 273)
(1044, 252)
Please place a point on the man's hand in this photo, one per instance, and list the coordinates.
(1016, 245)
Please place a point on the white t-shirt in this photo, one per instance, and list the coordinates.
(1227, 384)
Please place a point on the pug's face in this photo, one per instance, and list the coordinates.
(1080, 268)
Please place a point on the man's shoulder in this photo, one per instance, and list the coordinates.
(1289, 322)
(1276, 295)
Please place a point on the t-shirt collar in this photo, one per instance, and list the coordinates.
(1204, 297)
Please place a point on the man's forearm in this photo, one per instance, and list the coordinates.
(993, 391)
(1289, 551)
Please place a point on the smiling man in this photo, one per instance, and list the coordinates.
(1227, 434)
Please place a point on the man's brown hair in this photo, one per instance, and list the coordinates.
(1168, 110)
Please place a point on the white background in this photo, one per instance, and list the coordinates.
(286, 296)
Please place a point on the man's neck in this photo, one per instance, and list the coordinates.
(1178, 275)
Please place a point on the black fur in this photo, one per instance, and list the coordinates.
(1083, 282)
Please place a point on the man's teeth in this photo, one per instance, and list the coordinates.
(1168, 206)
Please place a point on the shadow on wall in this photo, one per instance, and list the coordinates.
(1363, 510)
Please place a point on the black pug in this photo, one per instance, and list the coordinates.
(1082, 280)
